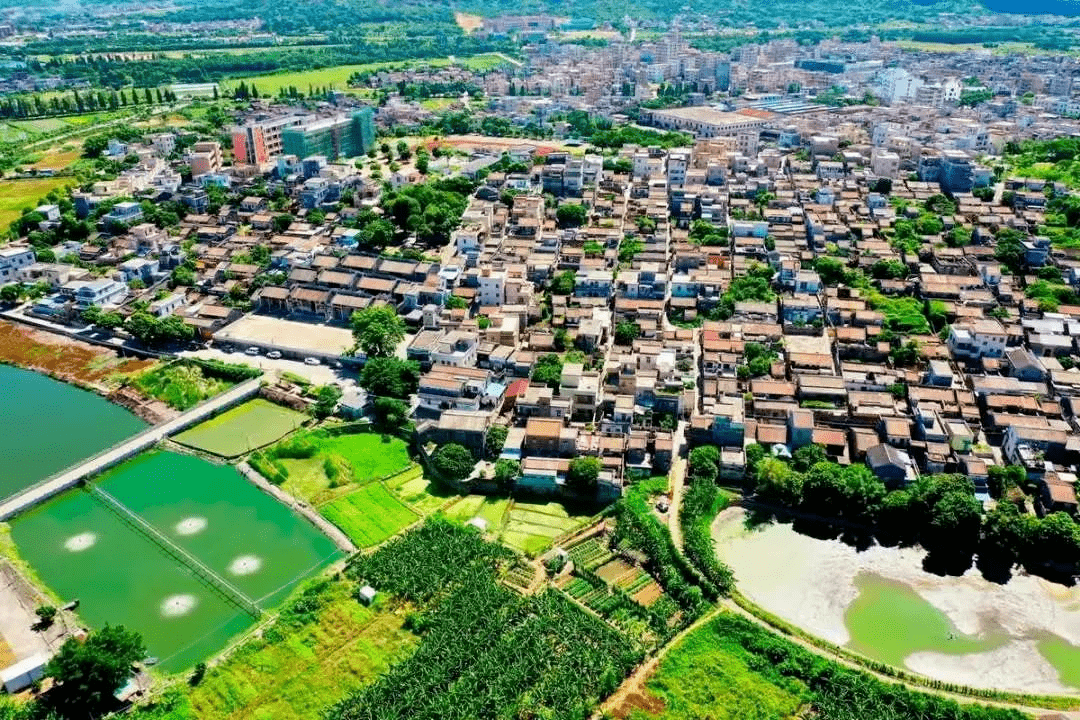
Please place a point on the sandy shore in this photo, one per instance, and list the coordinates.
(811, 583)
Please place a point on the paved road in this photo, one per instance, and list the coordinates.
(118, 453)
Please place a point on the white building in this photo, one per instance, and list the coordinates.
(898, 85)
(492, 287)
(14, 263)
(979, 339)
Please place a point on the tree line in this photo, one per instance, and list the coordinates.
(938, 512)
(34, 106)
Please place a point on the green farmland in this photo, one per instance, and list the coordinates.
(369, 515)
(337, 77)
(15, 195)
(240, 430)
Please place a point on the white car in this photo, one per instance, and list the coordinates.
(252, 351)
(274, 355)
(311, 361)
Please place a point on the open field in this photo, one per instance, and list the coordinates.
(18, 194)
(423, 495)
(337, 77)
(704, 676)
(468, 22)
(1010, 48)
(59, 158)
(61, 357)
(369, 515)
(243, 428)
(351, 460)
(1023, 635)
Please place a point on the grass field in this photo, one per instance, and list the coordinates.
(706, 677)
(369, 515)
(298, 667)
(18, 194)
(243, 428)
(179, 385)
(338, 77)
(353, 459)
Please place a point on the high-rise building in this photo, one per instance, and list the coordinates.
(337, 137)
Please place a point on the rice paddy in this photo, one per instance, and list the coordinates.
(369, 515)
(529, 527)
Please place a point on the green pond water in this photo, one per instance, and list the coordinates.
(49, 425)
(81, 549)
(889, 621)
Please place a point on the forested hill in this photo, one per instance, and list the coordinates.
(373, 20)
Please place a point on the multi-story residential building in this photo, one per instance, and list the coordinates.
(492, 291)
(205, 158)
(257, 141)
(84, 293)
(974, 340)
(14, 263)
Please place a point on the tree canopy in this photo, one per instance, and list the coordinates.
(378, 330)
(390, 377)
(453, 461)
(88, 673)
(583, 475)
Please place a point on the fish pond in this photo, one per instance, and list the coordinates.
(51, 425)
(168, 549)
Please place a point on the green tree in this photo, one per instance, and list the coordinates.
(494, 441)
(564, 282)
(453, 461)
(507, 473)
(548, 370)
(390, 413)
(583, 475)
(282, 222)
(807, 456)
(9, 294)
(326, 400)
(571, 215)
(704, 464)
(626, 332)
(378, 330)
(87, 673)
(377, 234)
(390, 377)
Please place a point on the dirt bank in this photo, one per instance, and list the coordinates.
(88, 366)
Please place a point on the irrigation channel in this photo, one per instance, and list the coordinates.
(210, 578)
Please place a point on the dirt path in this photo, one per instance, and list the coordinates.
(677, 482)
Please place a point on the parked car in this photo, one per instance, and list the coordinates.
(252, 351)
(311, 361)
(274, 355)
